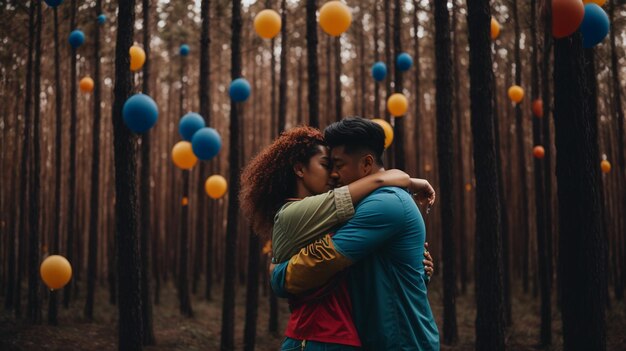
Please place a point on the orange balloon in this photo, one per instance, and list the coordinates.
(468, 187)
(56, 271)
(387, 129)
(184, 201)
(567, 15)
(183, 156)
(267, 24)
(335, 18)
(539, 152)
(538, 108)
(495, 28)
(137, 58)
(215, 186)
(599, 2)
(86, 84)
(605, 166)
(397, 104)
(516, 93)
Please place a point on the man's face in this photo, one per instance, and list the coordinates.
(347, 168)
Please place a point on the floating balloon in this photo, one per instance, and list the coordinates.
(140, 113)
(567, 15)
(184, 201)
(267, 24)
(335, 18)
(539, 152)
(516, 93)
(468, 187)
(102, 18)
(404, 61)
(397, 104)
(184, 50)
(495, 28)
(387, 128)
(239, 90)
(595, 25)
(182, 155)
(379, 71)
(189, 124)
(538, 108)
(206, 143)
(137, 58)
(86, 85)
(599, 2)
(215, 186)
(56, 271)
(605, 166)
(54, 3)
(76, 38)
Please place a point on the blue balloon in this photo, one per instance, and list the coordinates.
(404, 61)
(54, 3)
(77, 38)
(140, 113)
(190, 124)
(184, 50)
(206, 143)
(102, 18)
(239, 90)
(595, 25)
(379, 71)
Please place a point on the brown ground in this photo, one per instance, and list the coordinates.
(174, 332)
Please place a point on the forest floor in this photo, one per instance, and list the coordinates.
(202, 332)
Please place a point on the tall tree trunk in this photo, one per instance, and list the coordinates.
(547, 139)
(205, 111)
(581, 245)
(252, 291)
(489, 297)
(418, 97)
(542, 254)
(338, 98)
(312, 70)
(376, 58)
(34, 305)
(282, 85)
(52, 301)
(398, 132)
(92, 257)
(444, 154)
(146, 206)
(228, 308)
(126, 216)
(362, 76)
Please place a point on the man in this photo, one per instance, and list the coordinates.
(383, 244)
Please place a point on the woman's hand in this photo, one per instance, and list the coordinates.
(429, 265)
(423, 192)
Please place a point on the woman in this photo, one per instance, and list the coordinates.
(286, 192)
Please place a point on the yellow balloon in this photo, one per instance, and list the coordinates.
(55, 271)
(137, 58)
(267, 24)
(605, 166)
(495, 28)
(388, 130)
(335, 18)
(86, 84)
(215, 186)
(183, 156)
(516, 93)
(397, 104)
(599, 2)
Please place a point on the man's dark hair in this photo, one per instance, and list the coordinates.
(357, 135)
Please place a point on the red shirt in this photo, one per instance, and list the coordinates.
(324, 315)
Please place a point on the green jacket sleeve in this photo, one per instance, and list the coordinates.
(300, 222)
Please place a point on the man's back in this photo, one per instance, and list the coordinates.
(388, 287)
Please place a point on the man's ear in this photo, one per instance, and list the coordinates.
(367, 164)
(298, 169)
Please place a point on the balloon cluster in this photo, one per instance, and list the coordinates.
(588, 17)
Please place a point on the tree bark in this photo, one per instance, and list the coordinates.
(312, 69)
(398, 126)
(338, 98)
(282, 85)
(252, 291)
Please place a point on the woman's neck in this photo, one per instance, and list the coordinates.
(301, 190)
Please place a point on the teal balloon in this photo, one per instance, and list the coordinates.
(190, 124)
(76, 38)
(404, 61)
(184, 50)
(379, 71)
(54, 3)
(239, 90)
(206, 143)
(102, 18)
(595, 26)
(140, 113)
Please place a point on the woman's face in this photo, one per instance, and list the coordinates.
(316, 175)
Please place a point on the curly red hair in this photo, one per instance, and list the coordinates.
(269, 179)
